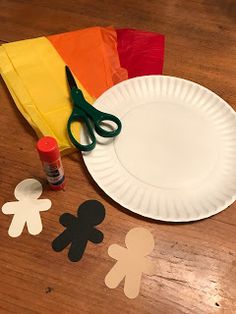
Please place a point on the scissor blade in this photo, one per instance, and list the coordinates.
(70, 78)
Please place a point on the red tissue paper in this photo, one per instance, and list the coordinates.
(140, 52)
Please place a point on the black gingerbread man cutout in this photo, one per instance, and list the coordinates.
(79, 230)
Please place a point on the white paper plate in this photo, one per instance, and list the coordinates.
(175, 159)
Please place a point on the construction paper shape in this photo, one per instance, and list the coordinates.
(26, 209)
(140, 52)
(131, 261)
(79, 230)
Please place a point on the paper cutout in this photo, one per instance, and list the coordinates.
(131, 261)
(26, 209)
(79, 230)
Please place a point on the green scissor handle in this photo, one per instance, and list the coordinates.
(85, 112)
(76, 116)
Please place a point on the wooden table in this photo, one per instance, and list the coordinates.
(197, 261)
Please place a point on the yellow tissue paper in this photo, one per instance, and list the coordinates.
(35, 76)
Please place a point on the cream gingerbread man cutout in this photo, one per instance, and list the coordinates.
(26, 209)
(131, 261)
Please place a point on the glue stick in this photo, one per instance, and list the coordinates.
(51, 160)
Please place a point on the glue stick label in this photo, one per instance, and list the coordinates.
(54, 172)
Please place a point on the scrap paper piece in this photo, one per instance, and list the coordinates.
(79, 230)
(140, 52)
(131, 261)
(26, 209)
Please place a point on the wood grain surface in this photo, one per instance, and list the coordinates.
(197, 261)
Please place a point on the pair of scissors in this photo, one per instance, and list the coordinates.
(89, 115)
